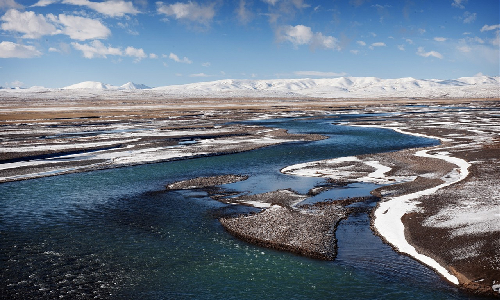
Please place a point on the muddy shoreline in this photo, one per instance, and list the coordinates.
(43, 137)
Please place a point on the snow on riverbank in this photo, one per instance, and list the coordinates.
(388, 214)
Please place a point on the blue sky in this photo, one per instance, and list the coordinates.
(55, 43)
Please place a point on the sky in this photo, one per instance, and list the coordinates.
(56, 43)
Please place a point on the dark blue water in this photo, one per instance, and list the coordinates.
(117, 234)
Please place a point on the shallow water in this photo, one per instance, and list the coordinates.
(117, 234)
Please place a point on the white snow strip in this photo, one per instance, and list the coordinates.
(388, 214)
(378, 176)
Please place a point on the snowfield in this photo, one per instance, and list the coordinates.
(343, 87)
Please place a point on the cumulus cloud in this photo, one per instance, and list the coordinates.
(176, 58)
(80, 28)
(440, 39)
(6, 4)
(361, 43)
(378, 44)
(34, 25)
(134, 52)
(490, 27)
(191, 11)
(319, 74)
(13, 50)
(43, 3)
(422, 53)
(153, 56)
(401, 47)
(114, 8)
(96, 49)
(303, 35)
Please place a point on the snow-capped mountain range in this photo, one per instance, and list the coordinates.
(343, 87)
(96, 85)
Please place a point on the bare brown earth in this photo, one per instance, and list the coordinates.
(45, 137)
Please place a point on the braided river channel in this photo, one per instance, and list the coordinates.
(119, 234)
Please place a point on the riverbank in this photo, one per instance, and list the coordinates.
(442, 205)
(44, 137)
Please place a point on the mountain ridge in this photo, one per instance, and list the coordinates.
(340, 87)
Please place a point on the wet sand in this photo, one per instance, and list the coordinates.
(457, 225)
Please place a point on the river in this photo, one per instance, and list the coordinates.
(118, 234)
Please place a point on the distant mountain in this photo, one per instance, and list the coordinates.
(344, 87)
(334, 88)
(134, 86)
(96, 85)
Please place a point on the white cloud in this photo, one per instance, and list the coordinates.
(244, 15)
(43, 3)
(401, 47)
(469, 17)
(13, 50)
(496, 40)
(80, 28)
(34, 26)
(477, 39)
(297, 35)
(422, 53)
(190, 11)
(303, 35)
(134, 52)
(361, 43)
(378, 44)
(6, 4)
(199, 75)
(440, 39)
(464, 48)
(354, 52)
(153, 56)
(458, 3)
(319, 74)
(206, 64)
(479, 53)
(176, 58)
(96, 49)
(409, 41)
(490, 27)
(31, 24)
(16, 84)
(113, 8)
(270, 2)
(52, 49)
